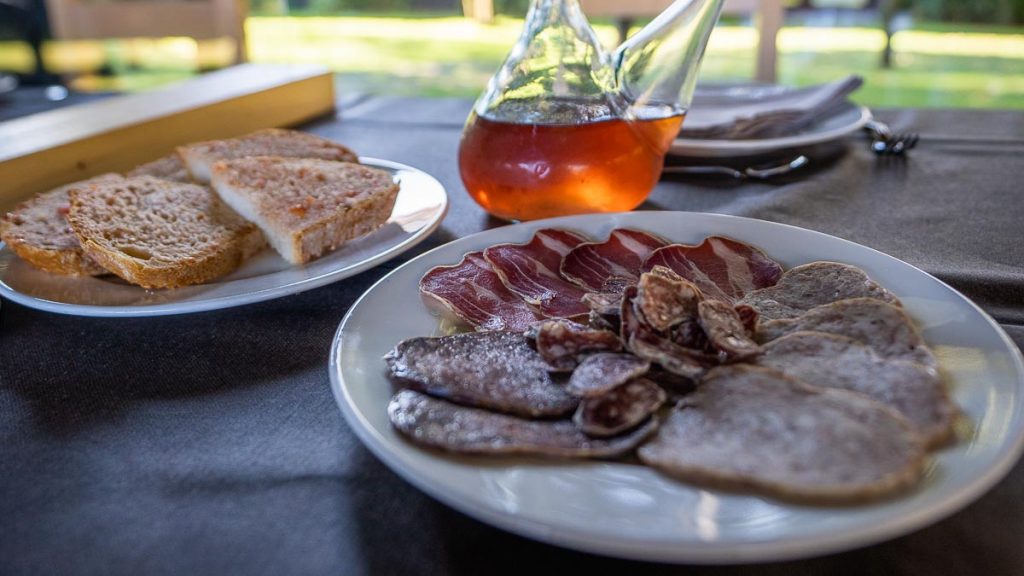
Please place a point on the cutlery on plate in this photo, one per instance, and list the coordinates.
(760, 172)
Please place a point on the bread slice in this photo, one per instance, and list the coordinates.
(200, 157)
(37, 230)
(168, 167)
(306, 207)
(161, 234)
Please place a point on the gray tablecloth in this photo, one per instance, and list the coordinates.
(211, 444)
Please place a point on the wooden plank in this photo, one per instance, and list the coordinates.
(45, 150)
(93, 20)
(199, 19)
(769, 20)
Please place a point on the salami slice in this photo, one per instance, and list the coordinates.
(725, 330)
(562, 342)
(642, 340)
(664, 299)
(601, 373)
(620, 409)
(722, 268)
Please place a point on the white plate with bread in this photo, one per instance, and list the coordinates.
(215, 225)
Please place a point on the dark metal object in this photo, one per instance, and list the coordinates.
(885, 142)
(751, 172)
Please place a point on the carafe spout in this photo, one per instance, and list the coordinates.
(656, 68)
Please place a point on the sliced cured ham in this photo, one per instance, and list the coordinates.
(531, 270)
(447, 426)
(472, 292)
(593, 264)
(722, 268)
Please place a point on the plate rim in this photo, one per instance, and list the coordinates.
(235, 300)
(706, 552)
(695, 147)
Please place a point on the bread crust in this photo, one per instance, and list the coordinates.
(56, 250)
(200, 157)
(169, 167)
(64, 262)
(100, 232)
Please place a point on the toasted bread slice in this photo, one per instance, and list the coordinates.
(161, 234)
(37, 230)
(306, 206)
(168, 167)
(200, 157)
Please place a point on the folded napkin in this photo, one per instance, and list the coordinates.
(750, 112)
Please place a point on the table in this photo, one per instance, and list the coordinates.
(211, 444)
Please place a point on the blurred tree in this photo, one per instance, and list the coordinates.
(1006, 12)
(26, 20)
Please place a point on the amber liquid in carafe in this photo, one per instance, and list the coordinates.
(530, 171)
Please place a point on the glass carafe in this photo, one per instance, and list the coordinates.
(566, 127)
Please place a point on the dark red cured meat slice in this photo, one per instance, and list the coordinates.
(690, 334)
(620, 409)
(726, 331)
(642, 340)
(665, 302)
(561, 342)
(473, 292)
(531, 271)
(723, 269)
(603, 303)
(592, 264)
(749, 316)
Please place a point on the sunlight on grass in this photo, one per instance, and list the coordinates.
(454, 56)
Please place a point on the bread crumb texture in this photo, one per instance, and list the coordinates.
(38, 231)
(307, 207)
(161, 234)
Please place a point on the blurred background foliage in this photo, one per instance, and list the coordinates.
(946, 53)
(1002, 12)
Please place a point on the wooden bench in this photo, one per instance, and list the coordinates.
(199, 19)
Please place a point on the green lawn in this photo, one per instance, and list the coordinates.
(442, 56)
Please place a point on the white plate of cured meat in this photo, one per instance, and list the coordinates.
(621, 508)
